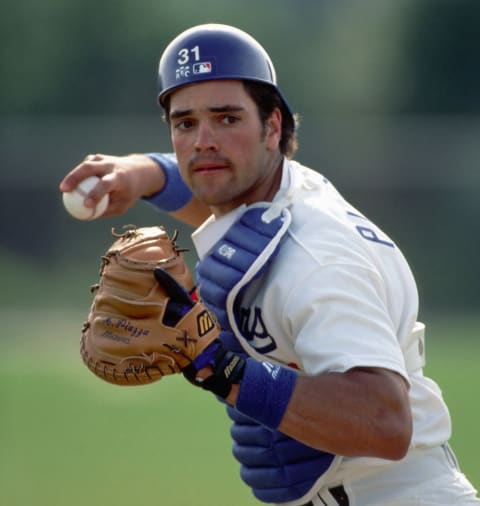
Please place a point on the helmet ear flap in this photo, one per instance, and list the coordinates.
(210, 52)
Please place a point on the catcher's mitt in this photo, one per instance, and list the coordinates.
(139, 330)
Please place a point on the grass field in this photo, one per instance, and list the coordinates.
(69, 439)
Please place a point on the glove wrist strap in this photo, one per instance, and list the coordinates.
(227, 366)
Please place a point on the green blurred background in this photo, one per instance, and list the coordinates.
(388, 95)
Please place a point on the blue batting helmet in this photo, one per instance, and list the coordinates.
(214, 51)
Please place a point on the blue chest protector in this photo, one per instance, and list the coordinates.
(278, 468)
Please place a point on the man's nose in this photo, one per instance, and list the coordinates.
(206, 139)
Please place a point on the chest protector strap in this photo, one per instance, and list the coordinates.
(277, 468)
(239, 257)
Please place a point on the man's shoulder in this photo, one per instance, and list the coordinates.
(314, 199)
(301, 174)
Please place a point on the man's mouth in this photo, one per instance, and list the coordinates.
(209, 167)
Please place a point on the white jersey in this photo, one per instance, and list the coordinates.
(338, 295)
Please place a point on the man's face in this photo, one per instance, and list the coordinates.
(225, 154)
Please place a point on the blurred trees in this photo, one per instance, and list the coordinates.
(387, 91)
(441, 74)
(375, 56)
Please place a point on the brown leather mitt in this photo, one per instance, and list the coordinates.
(142, 323)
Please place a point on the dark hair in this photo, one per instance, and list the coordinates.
(267, 99)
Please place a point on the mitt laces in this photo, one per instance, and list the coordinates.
(131, 231)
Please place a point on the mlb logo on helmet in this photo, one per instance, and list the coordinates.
(202, 68)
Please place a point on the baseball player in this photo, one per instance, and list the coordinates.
(323, 379)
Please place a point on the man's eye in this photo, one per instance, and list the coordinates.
(184, 124)
(229, 120)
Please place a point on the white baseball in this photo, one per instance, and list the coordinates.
(73, 201)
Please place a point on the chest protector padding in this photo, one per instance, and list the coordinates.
(278, 468)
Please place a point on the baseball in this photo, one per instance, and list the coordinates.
(73, 201)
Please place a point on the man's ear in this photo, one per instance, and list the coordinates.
(274, 129)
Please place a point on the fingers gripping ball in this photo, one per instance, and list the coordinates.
(73, 201)
(138, 329)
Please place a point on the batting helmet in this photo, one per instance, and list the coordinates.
(214, 51)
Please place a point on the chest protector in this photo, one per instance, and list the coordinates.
(278, 468)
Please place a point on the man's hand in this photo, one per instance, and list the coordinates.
(125, 178)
